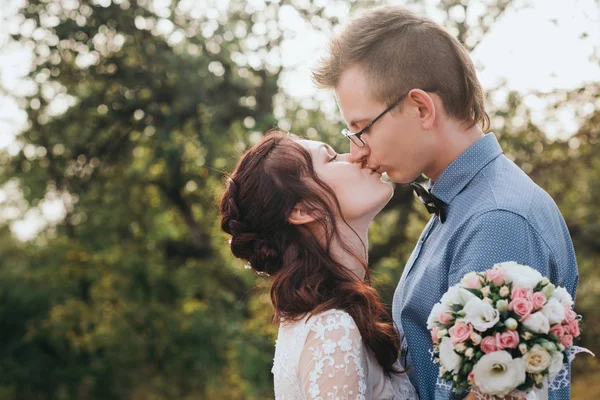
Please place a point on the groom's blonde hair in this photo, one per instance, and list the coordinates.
(400, 50)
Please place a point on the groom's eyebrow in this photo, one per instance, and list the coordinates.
(355, 122)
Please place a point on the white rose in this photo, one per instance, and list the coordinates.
(449, 359)
(461, 347)
(504, 291)
(470, 353)
(502, 305)
(480, 314)
(475, 338)
(537, 359)
(511, 324)
(537, 323)
(522, 348)
(434, 315)
(497, 373)
(548, 290)
(520, 275)
(561, 294)
(554, 311)
(556, 364)
(451, 296)
(456, 295)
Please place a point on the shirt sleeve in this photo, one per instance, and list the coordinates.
(494, 237)
(332, 363)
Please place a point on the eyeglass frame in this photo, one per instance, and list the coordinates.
(360, 143)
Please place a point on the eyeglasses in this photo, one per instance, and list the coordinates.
(356, 136)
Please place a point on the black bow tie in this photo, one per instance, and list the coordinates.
(432, 203)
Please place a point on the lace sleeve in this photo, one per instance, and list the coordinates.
(332, 363)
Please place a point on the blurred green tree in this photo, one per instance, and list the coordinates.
(138, 109)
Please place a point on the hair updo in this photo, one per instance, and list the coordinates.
(262, 251)
(269, 180)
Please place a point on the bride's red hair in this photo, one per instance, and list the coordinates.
(268, 181)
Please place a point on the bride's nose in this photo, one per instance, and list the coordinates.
(344, 157)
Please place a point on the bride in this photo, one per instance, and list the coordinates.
(299, 212)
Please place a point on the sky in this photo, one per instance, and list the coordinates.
(545, 46)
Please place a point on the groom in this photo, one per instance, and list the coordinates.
(413, 105)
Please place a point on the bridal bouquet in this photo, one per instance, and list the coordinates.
(503, 330)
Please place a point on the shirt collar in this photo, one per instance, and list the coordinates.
(464, 168)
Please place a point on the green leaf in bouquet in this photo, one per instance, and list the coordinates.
(478, 355)
(466, 368)
(476, 292)
(529, 382)
(456, 307)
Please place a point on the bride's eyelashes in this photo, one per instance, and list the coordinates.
(333, 158)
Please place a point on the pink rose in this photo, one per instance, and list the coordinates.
(567, 340)
(434, 334)
(522, 307)
(488, 344)
(574, 328)
(460, 332)
(558, 330)
(471, 377)
(471, 281)
(446, 318)
(570, 315)
(507, 340)
(496, 276)
(520, 293)
(538, 299)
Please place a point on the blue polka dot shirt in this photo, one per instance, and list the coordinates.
(495, 213)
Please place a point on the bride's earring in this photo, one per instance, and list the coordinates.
(327, 218)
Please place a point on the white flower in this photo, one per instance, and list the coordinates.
(522, 348)
(448, 357)
(434, 315)
(480, 314)
(497, 373)
(485, 291)
(504, 291)
(502, 305)
(520, 275)
(511, 324)
(537, 323)
(554, 311)
(556, 364)
(456, 295)
(537, 359)
(548, 290)
(469, 353)
(561, 294)
(475, 338)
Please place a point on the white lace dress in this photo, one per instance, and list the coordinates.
(324, 357)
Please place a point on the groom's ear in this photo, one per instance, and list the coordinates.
(301, 215)
(425, 106)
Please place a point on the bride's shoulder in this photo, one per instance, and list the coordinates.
(332, 320)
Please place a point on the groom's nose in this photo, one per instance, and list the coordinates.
(359, 154)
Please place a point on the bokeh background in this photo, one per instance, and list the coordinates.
(117, 121)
